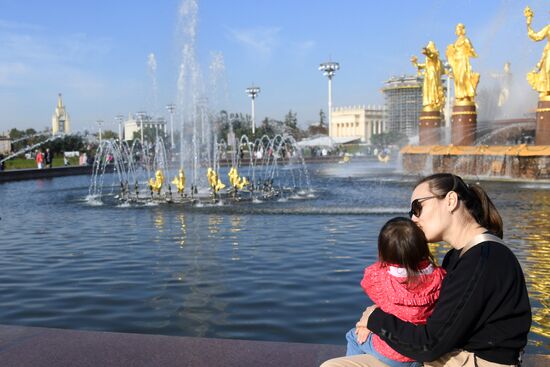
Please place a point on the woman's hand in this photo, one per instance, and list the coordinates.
(361, 327)
(362, 334)
(365, 318)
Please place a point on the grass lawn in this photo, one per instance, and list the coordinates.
(22, 163)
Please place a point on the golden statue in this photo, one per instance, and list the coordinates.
(433, 97)
(179, 181)
(213, 180)
(539, 78)
(156, 183)
(458, 55)
(236, 181)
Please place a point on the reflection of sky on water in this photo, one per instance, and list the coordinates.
(285, 271)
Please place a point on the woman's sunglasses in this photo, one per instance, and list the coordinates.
(416, 205)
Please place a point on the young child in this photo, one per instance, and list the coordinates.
(404, 282)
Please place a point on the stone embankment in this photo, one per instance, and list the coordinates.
(32, 346)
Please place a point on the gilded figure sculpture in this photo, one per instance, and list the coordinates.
(539, 78)
(156, 183)
(433, 96)
(458, 55)
(179, 181)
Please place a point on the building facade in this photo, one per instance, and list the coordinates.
(61, 122)
(403, 97)
(5, 144)
(134, 124)
(358, 122)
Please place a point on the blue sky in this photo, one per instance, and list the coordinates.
(96, 52)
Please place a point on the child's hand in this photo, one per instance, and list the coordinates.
(362, 334)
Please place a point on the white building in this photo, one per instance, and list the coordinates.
(5, 144)
(61, 122)
(134, 124)
(358, 122)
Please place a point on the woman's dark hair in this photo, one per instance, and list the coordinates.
(402, 243)
(478, 204)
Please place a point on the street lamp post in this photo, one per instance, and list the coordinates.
(100, 124)
(119, 119)
(171, 108)
(140, 116)
(252, 93)
(329, 68)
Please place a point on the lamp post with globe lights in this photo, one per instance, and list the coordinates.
(171, 108)
(252, 93)
(329, 68)
(119, 118)
(141, 115)
(100, 124)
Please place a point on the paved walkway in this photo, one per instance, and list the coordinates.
(30, 346)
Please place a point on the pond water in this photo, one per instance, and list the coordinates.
(285, 270)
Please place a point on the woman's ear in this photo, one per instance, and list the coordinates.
(452, 201)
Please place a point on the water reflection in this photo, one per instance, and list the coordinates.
(214, 223)
(183, 227)
(532, 232)
(158, 220)
(235, 229)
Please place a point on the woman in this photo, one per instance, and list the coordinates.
(483, 314)
(433, 97)
(458, 54)
(539, 78)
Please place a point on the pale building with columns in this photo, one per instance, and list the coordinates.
(133, 124)
(358, 122)
(61, 122)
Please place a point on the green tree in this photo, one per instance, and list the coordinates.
(109, 134)
(291, 120)
(291, 125)
(322, 118)
(25, 138)
(68, 143)
(265, 128)
(149, 134)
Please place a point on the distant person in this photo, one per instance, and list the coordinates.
(48, 158)
(82, 159)
(404, 282)
(39, 159)
(1, 162)
(65, 160)
(90, 160)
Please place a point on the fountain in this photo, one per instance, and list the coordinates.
(259, 168)
(274, 169)
(467, 155)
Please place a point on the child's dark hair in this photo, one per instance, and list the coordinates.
(402, 243)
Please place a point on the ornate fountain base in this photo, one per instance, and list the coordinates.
(524, 162)
(463, 124)
(429, 128)
(543, 123)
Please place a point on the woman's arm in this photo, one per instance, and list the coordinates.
(471, 50)
(538, 36)
(456, 313)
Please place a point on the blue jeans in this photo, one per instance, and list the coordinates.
(355, 348)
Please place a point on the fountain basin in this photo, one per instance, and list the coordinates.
(523, 162)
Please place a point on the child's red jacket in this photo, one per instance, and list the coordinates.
(386, 286)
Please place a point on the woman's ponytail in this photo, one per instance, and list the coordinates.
(488, 215)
